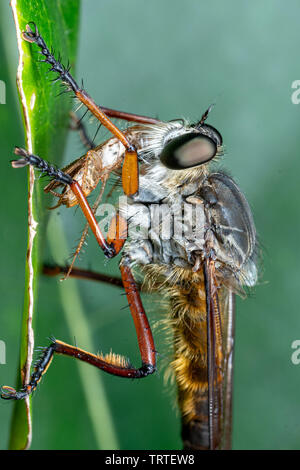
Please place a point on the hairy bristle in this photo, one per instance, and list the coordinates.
(115, 359)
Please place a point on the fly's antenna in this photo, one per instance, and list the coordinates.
(41, 165)
(204, 116)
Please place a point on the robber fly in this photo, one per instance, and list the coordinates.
(200, 269)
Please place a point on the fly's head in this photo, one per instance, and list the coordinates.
(198, 145)
(179, 152)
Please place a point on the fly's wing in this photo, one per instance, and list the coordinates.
(227, 309)
(220, 330)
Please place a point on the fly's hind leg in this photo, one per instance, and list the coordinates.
(78, 273)
(111, 363)
(88, 275)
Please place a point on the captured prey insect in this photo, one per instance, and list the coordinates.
(200, 253)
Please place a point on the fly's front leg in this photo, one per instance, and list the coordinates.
(113, 364)
(112, 246)
(130, 177)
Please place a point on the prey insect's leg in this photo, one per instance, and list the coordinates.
(86, 228)
(130, 165)
(111, 363)
(77, 125)
(111, 246)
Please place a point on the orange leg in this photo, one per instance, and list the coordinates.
(130, 117)
(108, 248)
(111, 363)
(116, 237)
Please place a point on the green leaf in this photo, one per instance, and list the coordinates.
(46, 126)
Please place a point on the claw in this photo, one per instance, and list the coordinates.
(8, 393)
(30, 35)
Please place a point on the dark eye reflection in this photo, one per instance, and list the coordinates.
(187, 151)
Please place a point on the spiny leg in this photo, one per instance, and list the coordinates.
(110, 247)
(111, 363)
(130, 164)
(115, 365)
(80, 167)
(117, 232)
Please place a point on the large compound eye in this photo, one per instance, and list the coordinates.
(187, 151)
(211, 132)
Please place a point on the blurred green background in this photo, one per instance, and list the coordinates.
(171, 59)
